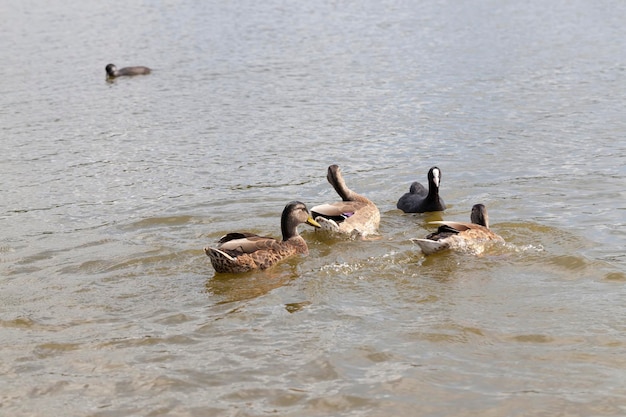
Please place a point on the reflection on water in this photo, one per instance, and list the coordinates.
(238, 287)
(109, 192)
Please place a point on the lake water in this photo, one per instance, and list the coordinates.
(110, 191)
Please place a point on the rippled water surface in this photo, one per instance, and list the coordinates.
(110, 190)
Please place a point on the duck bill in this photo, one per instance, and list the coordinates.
(312, 222)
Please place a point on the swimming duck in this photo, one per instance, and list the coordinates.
(241, 252)
(113, 72)
(472, 237)
(355, 215)
(421, 200)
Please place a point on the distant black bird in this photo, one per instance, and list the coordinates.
(113, 72)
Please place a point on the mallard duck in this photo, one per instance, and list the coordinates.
(355, 215)
(472, 237)
(113, 72)
(421, 200)
(241, 252)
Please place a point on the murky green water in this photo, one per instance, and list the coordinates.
(110, 190)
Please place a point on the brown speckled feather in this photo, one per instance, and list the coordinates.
(267, 253)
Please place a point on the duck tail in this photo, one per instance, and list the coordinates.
(218, 254)
(429, 247)
(223, 262)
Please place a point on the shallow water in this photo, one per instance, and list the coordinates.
(110, 190)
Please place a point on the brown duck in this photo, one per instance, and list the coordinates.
(241, 252)
(471, 237)
(355, 215)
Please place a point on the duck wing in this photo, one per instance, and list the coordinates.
(458, 226)
(239, 243)
(467, 232)
(338, 211)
